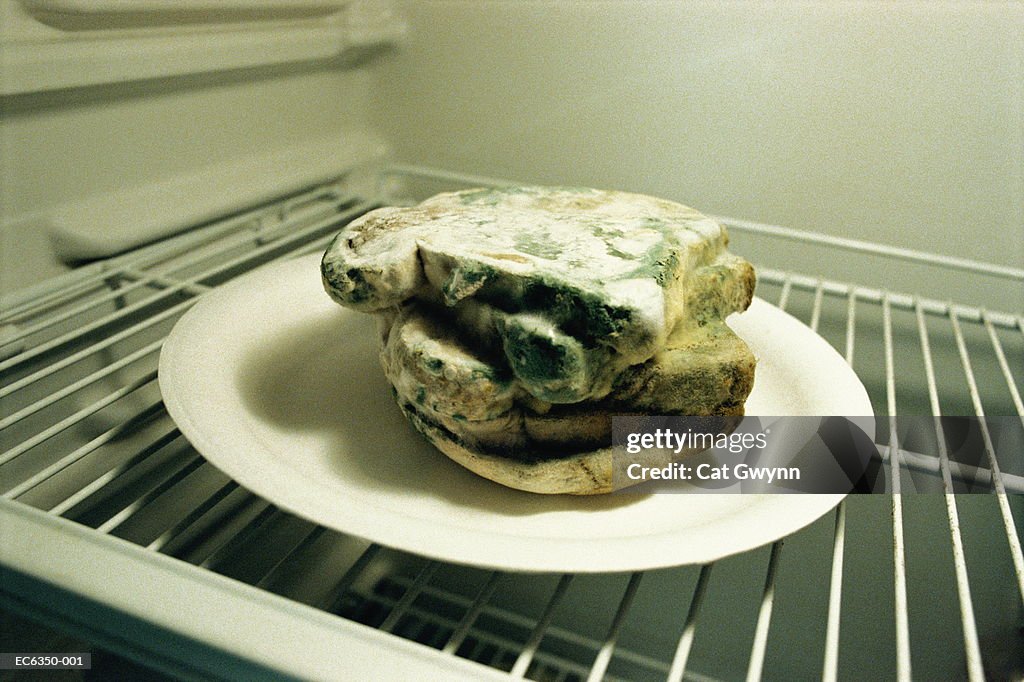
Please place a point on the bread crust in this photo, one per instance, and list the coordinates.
(582, 473)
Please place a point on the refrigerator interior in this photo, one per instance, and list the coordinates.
(867, 158)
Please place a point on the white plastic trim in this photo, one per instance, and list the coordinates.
(107, 224)
(272, 631)
(147, 6)
(39, 57)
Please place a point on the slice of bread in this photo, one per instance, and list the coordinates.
(574, 284)
(706, 371)
(581, 473)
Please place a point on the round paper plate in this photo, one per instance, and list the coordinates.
(280, 388)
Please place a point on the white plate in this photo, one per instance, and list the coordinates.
(280, 388)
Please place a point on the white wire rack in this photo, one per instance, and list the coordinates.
(116, 530)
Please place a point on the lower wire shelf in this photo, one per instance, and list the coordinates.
(925, 586)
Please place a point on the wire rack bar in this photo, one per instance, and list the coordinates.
(197, 513)
(760, 640)
(336, 599)
(414, 590)
(314, 246)
(851, 325)
(107, 436)
(530, 648)
(189, 242)
(181, 286)
(232, 503)
(84, 307)
(787, 287)
(493, 648)
(165, 314)
(859, 246)
(76, 386)
(764, 616)
(474, 652)
(903, 669)
(76, 417)
(97, 484)
(302, 236)
(759, 644)
(482, 597)
(830, 666)
(972, 649)
(917, 461)
(80, 283)
(604, 655)
(232, 543)
(107, 342)
(304, 544)
(553, 632)
(682, 654)
(63, 339)
(1004, 366)
(543, 662)
(158, 281)
(896, 300)
(1012, 535)
(212, 547)
(133, 507)
(819, 295)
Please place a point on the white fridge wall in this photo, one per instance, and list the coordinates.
(69, 146)
(113, 110)
(901, 123)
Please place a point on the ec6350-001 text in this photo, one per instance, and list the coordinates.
(45, 661)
